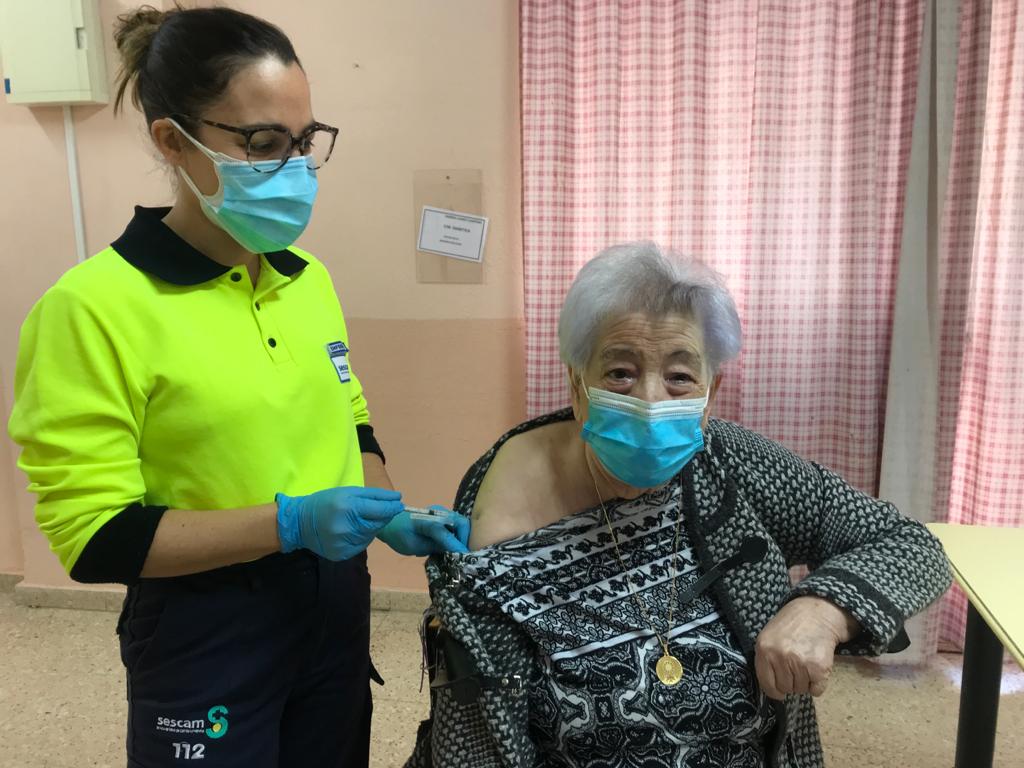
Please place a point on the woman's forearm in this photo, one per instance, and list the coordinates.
(374, 473)
(189, 541)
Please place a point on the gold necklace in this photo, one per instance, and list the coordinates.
(669, 669)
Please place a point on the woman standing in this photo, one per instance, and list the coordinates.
(193, 429)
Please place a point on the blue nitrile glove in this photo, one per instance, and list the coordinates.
(413, 536)
(337, 523)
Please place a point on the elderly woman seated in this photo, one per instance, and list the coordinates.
(627, 600)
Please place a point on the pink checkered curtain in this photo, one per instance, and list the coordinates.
(980, 437)
(768, 138)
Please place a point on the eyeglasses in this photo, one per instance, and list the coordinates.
(275, 143)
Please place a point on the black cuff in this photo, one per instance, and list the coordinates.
(899, 643)
(367, 442)
(116, 552)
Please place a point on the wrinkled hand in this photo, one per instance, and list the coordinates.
(795, 651)
(337, 523)
(413, 536)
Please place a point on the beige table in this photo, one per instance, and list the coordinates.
(988, 564)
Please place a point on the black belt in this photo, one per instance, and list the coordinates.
(253, 574)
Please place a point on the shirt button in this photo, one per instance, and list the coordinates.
(257, 306)
(235, 277)
(272, 341)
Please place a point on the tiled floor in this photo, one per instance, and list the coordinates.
(62, 699)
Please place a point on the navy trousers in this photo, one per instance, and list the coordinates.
(261, 665)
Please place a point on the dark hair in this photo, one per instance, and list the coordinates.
(178, 62)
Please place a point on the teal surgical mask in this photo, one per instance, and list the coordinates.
(643, 444)
(262, 211)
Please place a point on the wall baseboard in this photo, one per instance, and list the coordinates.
(110, 598)
(398, 600)
(106, 598)
(8, 581)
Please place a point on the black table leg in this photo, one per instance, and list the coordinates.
(979, 694)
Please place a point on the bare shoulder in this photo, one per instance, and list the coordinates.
(519, 489)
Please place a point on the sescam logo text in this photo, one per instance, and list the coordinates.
(180, 726)
(215, 725)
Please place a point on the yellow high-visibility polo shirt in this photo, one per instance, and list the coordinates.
(151, 377)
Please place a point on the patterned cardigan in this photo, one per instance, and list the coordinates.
(863, 555)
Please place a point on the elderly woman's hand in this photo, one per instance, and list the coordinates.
(795, 650)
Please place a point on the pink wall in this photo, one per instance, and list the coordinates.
(404, 102)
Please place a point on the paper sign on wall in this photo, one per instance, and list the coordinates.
(453, 234)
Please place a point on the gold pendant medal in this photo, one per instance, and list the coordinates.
(669, 669)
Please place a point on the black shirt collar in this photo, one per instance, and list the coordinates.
(151, 246)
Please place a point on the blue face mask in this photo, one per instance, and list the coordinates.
(261, 211)
(643, 444)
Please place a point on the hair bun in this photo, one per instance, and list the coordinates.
(133, 34)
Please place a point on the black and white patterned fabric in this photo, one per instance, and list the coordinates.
(600, 702)
(863, 555)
